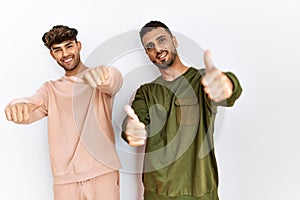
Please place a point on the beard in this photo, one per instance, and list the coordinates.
(167, 63)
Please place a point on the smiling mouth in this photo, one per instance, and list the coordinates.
(162, 56)
(68, 60)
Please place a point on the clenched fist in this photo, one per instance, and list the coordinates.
(20, 112)
(97, 76)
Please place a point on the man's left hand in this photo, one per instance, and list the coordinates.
(216, 84)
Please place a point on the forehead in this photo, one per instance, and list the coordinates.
(154, 34)
(62, 44)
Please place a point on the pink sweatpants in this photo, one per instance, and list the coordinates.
(104, 187)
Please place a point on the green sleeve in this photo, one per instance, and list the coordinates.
(140, 105)
(237, 89)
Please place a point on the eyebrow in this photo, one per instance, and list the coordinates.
(159, 37)
(68, 43)
(55, 48)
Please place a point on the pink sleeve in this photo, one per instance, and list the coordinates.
(113, 84)
(39, 98)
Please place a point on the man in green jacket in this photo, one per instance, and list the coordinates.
(174, 117)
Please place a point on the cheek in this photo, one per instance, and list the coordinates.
(56, 57)
(76, 53)
(151, 55)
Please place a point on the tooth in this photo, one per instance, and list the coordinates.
(68, 60)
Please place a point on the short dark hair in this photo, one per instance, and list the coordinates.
(153, 25)
(59, 34)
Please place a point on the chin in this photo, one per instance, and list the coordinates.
(162, 66)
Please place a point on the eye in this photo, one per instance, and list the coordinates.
(56, 50)
(150, 46)
(161, 40)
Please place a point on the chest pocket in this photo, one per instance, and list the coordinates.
(187, 111)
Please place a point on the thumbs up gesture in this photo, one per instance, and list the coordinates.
(135, 130)
(216, 84)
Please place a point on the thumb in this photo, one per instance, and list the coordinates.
(130, 112)
(207, 60)
(32, 107)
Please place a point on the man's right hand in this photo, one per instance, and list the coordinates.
(135, 130)
(97, 76)
(20, 112)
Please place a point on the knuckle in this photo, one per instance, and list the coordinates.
(7, 109)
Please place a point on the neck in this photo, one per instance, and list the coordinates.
(80, 68)
(174, 71)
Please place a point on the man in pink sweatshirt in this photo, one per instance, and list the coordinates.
(83, 158)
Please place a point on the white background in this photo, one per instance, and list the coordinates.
(258, 151)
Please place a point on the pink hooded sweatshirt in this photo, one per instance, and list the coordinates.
(80, 133)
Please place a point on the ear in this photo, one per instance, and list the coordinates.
(79, 45)
(51, 52)
(175, 41)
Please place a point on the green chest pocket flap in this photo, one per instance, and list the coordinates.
(187, 111)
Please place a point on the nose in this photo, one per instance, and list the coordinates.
(158, 48)
(65, 52)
